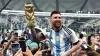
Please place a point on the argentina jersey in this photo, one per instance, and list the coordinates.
(60, 42)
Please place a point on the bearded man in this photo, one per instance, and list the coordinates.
(61, 38)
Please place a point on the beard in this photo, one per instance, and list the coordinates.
(57, 24)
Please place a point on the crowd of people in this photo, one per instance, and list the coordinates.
(61, 41)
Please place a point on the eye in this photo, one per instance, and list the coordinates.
(59, 17)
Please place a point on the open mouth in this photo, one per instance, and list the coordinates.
(58, 23)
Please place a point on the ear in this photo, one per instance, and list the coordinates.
(50, 19)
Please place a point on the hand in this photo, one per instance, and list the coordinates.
(1, 53)
(19, 53)
(64, 54)
(12, 38)
(39, 52)
(28, 52)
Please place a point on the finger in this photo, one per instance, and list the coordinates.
(20, 49)
(27, 48)
(24, 53)
(39, 49)
(18, 52)
(43, 50)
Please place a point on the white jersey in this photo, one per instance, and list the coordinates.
(61, 41)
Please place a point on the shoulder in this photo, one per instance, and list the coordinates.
(69, 31)
(72, 34)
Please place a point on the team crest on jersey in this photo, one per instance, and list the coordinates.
(57, 38)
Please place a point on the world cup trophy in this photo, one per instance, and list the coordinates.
(29, 13)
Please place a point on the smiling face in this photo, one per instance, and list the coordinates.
(56, 20)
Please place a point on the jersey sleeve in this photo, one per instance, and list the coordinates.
(73, 37)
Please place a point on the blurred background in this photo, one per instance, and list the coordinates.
(11, 20)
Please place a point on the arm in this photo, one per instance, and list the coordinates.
(74, 48)
(92, 47)
(7, 46)
(70, 51)
(76, 44)
(29, 53)
(5, 49)
(94, 52)
(18, 53)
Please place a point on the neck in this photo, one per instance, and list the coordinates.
(57, 29)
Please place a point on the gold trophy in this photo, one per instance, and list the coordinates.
(29, 13)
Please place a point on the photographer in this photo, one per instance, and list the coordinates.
(88, 51)
(85, 50)
(5, 45)
(36, 50)
(28, 52)
(41, 39)
(93, 51)
(43, 43)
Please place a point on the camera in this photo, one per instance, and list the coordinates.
(43, 46)
(16, 34)
(15, 47)
(87, 49)
(22, 45)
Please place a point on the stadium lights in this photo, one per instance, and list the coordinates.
(47, 14)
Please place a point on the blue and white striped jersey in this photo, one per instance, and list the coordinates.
(61, 40)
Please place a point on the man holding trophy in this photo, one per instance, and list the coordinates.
(29, 13)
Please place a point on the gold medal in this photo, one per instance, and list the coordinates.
(57, 38)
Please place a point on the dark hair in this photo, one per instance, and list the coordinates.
(39, 31)
(2, 42)
(40, 37)
(80, 35)
(25, 32)
(89, 39)
(54, 12)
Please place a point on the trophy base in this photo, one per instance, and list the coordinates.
(31, 25)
